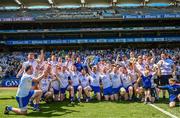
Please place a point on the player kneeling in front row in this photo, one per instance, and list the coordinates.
(174, 92)
(25, 93)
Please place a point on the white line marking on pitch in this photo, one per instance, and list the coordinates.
(163, 111)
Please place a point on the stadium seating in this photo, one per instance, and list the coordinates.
(67, 3)
(88, 13)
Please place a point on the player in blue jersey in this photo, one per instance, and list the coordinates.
(174, 92)
(146, 81)
(25, 93)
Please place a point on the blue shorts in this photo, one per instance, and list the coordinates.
(133, 83)
(96, 89)
(63, 90)
(33, 84)
(116, 90)
(107, 91)
(55, 91)
(127, 88)
(173, 98)
(23, 101)
(146, 87)
(75, 88)
(43, 95)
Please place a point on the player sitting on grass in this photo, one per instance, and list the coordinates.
(173, 90)
(25, 93)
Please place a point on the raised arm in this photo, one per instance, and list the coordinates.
(20, 71)
(45, 73)
(89, 69)
(39, 78)
(117, 59)
(153, 56)
(174, 70)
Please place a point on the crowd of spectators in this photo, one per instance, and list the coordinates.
(10, 63)
(91, 13)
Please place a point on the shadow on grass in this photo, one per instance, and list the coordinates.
(12, 97)
(53, 109)
(161, 100)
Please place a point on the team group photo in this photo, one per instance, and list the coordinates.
(88, 58)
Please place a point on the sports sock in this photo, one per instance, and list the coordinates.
(36, 105)
(9, 108)
(71, 99)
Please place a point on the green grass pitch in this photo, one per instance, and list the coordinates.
(94, 109)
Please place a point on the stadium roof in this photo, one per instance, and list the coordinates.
(76, 3)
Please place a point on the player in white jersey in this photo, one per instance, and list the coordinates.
(60, 62)
(178, 71)
(74, 74)
(30, 61)
(68, 62)
(25, 93)
(139, 64)
(95, 80)
(44, 85)
(133, 72)
(107, 84)
(65, 84)
(132, 57)
(116, 82)
(84, 82)
(102, 64)
(41, 63)
(127, 89)
(125, 61)
(166, 69)
(55, 84)
(53, 63)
